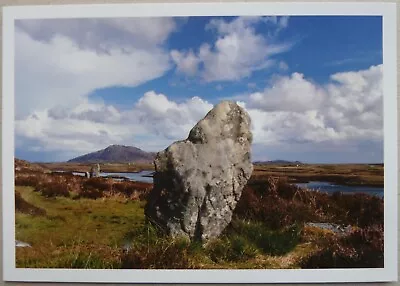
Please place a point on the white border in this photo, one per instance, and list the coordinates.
(388, 273)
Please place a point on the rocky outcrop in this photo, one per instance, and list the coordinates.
(198, 181)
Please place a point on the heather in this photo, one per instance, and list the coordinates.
(75, 222)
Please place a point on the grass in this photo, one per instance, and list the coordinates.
(101, 224)
(341, 174)
(363, 248)
(75, 225)
(67, 185)
(104, 167)
(89, 233)
(246, 245)
(277, 204)
(23, 206)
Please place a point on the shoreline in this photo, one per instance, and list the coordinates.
(338, 181)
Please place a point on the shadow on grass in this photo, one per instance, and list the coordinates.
(272, 242)
(24, 207)
(244, 240)
(147, 247)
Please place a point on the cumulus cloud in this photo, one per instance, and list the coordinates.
(102, 34)
(99, 113)
(152, 124)
(238, 51)
(290, 93)
(186, 62)
(296, 110)
(58, 63)
(349, 116)
(167, 118)
(67, 134)
(57, 67)
(46, 72)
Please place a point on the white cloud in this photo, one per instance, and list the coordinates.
(167, 118)
(58, 63)
(186, 62)
(87, 111)
(156, 120)
(288, 93)
(102, 34)
(295, 110)
(58, 72)
(238, 51)
(152, 124)
(67, 134)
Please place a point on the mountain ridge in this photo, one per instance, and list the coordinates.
(116, 154)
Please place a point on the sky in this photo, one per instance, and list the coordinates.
(312, 85)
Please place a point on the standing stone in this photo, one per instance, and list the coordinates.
(198, 181)
(95, 171)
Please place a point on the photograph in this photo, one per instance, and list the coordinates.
(201, 142)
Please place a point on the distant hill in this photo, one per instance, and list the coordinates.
(116, 153)
(278, 162)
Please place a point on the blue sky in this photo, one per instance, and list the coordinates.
(321, 46)
(312, 85)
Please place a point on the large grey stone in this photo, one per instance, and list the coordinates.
(198, 181)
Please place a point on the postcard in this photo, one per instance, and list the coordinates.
(200, 143)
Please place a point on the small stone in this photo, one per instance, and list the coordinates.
(19, 243)
(95, 171)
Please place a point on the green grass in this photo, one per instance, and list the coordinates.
(241, 247)
(105, 220)
(87, 233)
(73, 224)
(110, 232)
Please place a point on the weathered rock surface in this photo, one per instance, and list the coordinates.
(95, 171)
(198, 181)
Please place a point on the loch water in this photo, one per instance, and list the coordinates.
(327, 187)
(145, 176)
(330, 188)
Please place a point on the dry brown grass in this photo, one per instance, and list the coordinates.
(343, 174)
(277, 203)
(104, 167)
(53, 185)
(362, 248)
